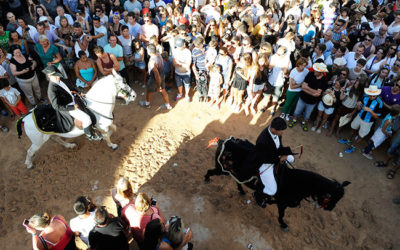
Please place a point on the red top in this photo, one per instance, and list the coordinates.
(138, 221)
(63, 242)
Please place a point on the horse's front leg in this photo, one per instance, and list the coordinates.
(281, 209)
(107, 134)
(240, 188)
(62, 142)
(30, 153)
(211, 172)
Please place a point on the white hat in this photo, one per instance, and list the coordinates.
(344, 120)
(327, 99)
(372, 90)
(43, 18)
(320, 67)
(339, 61)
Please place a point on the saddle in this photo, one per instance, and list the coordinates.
(45, 119)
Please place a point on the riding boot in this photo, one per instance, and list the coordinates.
(259, 198)
(91, 135)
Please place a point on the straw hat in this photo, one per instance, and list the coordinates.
(320, 67)
(327, 99)
(372, 90)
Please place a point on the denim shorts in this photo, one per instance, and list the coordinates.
(182, 80)
(322, 108)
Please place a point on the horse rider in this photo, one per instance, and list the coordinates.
(62, 99)
(269, 154)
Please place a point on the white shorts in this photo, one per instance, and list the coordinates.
(378, 138)
(324, 109)
(363, 127)
(257, 88)
(81, 116)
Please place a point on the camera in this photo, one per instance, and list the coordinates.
(75, 38)
(153, 202)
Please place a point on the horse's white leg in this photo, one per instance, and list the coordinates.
(62, 142)
(107, 134)
(30, 153)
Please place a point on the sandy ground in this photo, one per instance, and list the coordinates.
(164, 154)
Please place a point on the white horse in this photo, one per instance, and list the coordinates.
(100, 100)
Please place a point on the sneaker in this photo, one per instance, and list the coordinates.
(368, 156)
(178, 97)
(187, 99)
(282, 115)
(292, 123)
(287, 117)
(166, 106)
(304, 126)
(350, 150)
(319, 131)
(144, 104)
(4, 129)
(313, 128)
(325, 126)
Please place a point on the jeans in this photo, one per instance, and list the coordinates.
(304, 107)
(182, 80)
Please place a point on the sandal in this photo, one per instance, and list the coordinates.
(304, 126)
(380, 164)
(390, 174)
(292, 123)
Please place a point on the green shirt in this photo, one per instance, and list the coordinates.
(4, 40)
(49, 56)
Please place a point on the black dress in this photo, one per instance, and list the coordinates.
(238, 81)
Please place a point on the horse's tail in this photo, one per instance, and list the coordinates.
(20, 123)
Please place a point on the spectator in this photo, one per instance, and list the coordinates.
(85, 71)
(369, 47)
(4, 38)
(380, 36)
(374, 64)
(109, 232)
(240, 81)
(49, 54)
(41, 31)
(50, 7)
(380, 78)
(131, 5)
(23, 68)
(15, 39)
(138, 58)
(41, 12)
(26, 31)
(11, 97)
(176, 235)
(100, 33)
(135, 29)
(313, 86)
(82, 20)
(106, 62)
(61, 13)
(148, 30)
(182, 59)
(139, 214)
(55, 232)
(122, 194)
(115, 49)
(353, 57)
(152, 234)
(82, 224)
(391, 55)
(71, 6)
(12, 22)
(103, 18)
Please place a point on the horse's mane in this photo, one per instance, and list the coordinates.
(102, 88)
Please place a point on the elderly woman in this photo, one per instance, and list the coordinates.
(122, 194)
(85, 71)
(23, 68)
(55, 233)
(49, 54)
(139, 214)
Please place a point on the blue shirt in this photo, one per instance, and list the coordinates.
(375, 105)
(117, 52)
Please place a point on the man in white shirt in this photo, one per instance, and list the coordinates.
(131, 5)
(61, 13)
(148, 30)
(182, 59)
(353, 57)
(100, 33)
(25, 30)
(84, 222)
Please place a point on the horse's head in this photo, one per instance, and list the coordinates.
(328, 200)
(123, 90)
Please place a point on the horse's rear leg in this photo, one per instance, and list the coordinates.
(281, 209)
(30, 153)
(240, 188)
(62, 142)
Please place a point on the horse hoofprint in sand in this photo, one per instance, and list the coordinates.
(100, 100)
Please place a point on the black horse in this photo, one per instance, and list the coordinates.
(294, 185)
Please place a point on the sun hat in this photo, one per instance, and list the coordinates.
(43, 18)
(320, 67)
(339, 61)
(372, 90)
(362, 10)
(327, 99)
(344, 120)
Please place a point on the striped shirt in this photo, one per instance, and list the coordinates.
(199, 59)
(375, 105)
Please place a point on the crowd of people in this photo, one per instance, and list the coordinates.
(138, 218)
(339, 60)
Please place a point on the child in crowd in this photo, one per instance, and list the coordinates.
(214, 89)
(12, 98)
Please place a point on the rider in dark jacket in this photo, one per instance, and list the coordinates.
(62, 99)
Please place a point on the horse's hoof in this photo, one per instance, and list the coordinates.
(242, 193)
(115, 147)
(72, 145)
(207, 180)
(285, 229)
(31, 166)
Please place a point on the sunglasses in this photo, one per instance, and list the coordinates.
(368, 39)
(343, 74)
